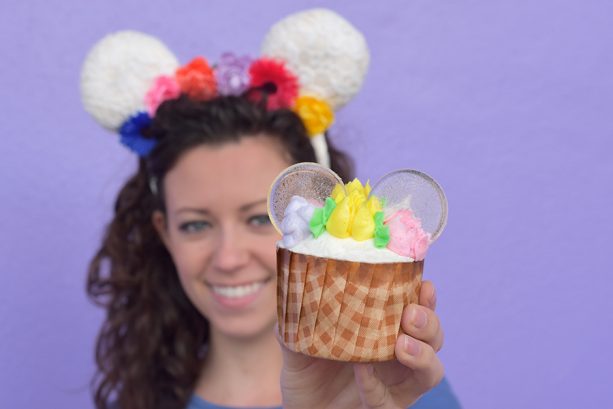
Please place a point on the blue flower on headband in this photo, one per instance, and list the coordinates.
(132, 137)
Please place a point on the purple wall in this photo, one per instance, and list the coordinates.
(508, 104)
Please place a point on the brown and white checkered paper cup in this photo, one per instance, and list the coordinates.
(343, 310)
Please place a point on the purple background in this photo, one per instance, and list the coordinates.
(509, 104)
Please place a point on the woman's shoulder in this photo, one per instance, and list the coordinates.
(196, 402)
(440, 397)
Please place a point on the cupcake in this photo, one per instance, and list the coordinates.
(351, 258)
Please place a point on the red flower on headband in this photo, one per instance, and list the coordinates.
(197, 79)
(272, 80)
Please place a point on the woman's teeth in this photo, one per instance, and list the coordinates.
(237, 291)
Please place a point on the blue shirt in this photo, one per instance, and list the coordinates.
(441, 397)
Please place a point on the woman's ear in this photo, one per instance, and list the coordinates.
(159, 223)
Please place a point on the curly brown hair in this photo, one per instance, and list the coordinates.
(150, 348)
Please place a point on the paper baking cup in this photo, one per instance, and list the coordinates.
(343, 310)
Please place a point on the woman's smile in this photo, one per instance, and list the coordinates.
(238, 295)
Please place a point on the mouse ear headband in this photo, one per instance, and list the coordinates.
(312, 62)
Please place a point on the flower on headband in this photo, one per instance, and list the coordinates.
(316, 114)
(271, 77)
(197, 80)
(132, 137)
(163, 88)
(232, 74)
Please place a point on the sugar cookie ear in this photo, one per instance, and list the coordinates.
(329, 55)
(414, 190)
(312, 181)
(117, 73)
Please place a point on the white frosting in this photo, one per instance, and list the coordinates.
(328, 246)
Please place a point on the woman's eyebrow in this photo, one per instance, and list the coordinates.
(203, 212)
(248, 206)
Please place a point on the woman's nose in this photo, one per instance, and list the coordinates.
(231, 253)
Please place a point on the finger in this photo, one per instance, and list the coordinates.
(427, 295)
(294, 375)
(371, 389)
(292, 361)
(422, 323)
(422, 360)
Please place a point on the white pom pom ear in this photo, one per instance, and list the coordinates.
(118, 72)
(329, 56)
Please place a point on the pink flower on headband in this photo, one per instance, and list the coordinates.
(407, 237)
(273, 82)
(197, 80)
(232, 74)
(163, 88)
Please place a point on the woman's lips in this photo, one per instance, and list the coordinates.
(236, 296)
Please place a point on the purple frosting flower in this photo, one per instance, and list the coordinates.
(232, 74)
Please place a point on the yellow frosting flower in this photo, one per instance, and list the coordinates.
(355, 186)
(316, 114)
(363, 226)
(354, 212)
(338, 193)
(374, 205)
(339, 221)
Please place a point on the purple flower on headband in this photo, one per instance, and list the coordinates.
(232, 74)
(132, 137)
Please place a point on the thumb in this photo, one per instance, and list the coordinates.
(292, 361)
(371, 389)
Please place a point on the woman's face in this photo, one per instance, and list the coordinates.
(217, 231)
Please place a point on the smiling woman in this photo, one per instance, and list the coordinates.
(190, 291)
(192, 255)
(186, 269)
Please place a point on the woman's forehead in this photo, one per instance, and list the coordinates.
(232, 174)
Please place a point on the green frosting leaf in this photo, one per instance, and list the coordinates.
(316, 224)
(320, 217)
(382, 232)
(329, 207)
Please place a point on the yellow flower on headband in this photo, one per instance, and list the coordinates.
(316, 114)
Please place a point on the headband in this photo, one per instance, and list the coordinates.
(312, 62)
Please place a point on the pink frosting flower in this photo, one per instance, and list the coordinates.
(164, 88)
(407, 238)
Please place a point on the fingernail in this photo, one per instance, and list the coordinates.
(411, 346)
(433, 299)
(418, 317)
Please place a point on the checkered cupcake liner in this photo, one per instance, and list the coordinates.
(343, 310)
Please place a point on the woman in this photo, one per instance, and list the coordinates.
(186, 272)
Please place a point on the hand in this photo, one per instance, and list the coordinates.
(308, 382)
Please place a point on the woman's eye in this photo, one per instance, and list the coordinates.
(259, 220)
(194, 227)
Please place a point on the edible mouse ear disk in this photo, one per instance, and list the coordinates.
(414, 190)
(312, 181)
